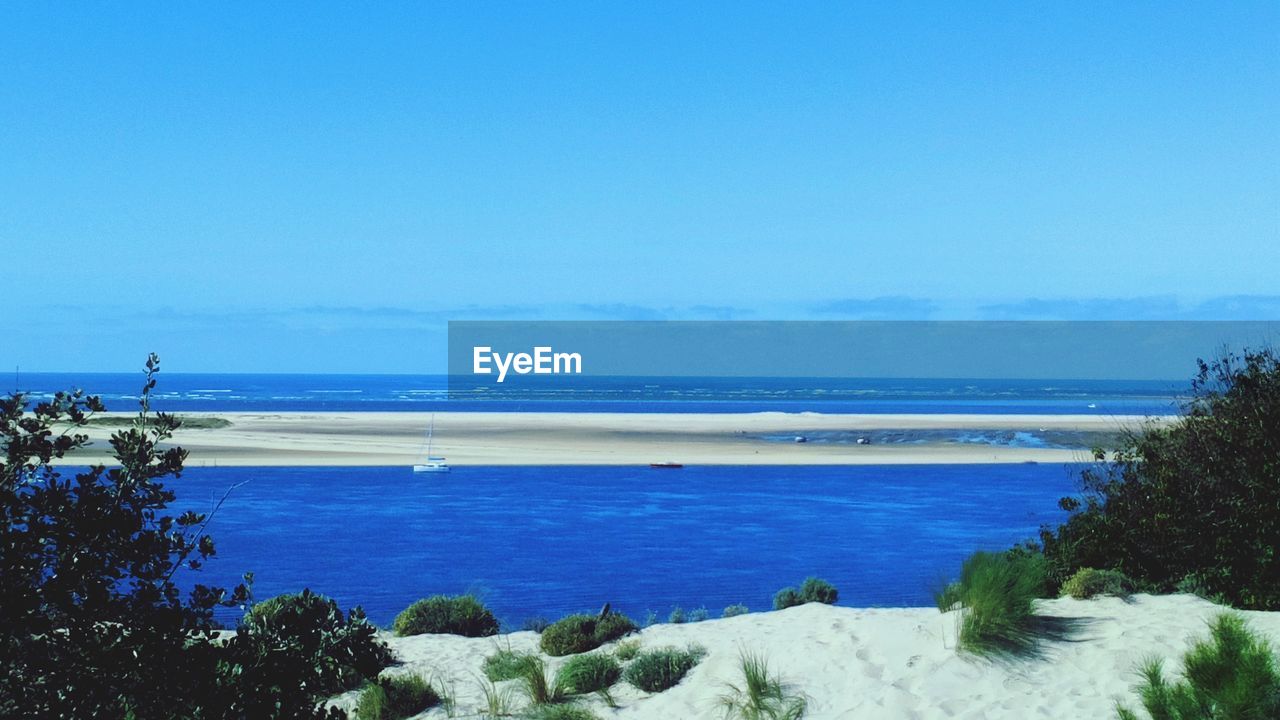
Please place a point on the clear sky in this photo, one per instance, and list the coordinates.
(318, 187)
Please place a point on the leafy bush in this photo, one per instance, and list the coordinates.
(580, 633)
(1088, 582)
(762, 695)
(303, 640)
(1231, 675)
(627, 650)
(93, 622)
(663, 668)
(583, 674)
(507, 664)
(677, 616)
(699, 615)
(1194, 498)
(461, 615)
(396, 697)
(734, 610)
(811, 590)
(996, 592)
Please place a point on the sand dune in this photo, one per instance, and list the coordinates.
(880, 664)
(602, 438)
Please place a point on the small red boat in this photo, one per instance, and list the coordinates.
(667, 465)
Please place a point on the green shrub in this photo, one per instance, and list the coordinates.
(734, 610)
(1231, 675)
(443, 614)
(1088, 582)
(762, 695)
(699, 615)
(580, 633)
(507, 664)
(996, 592)
(677, 616)
(811, 590)
(657, 670)
(396, 697)
(1196, 497)
(583, 674)
(818, 590)
(786, 597)
(558, 712)
(627, 650)
(304, 640)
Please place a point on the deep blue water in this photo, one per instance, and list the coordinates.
(553, 540)
(264, 392)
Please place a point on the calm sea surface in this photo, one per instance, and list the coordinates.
(553, 540)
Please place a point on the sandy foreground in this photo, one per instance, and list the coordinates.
(878, 664)
(372, 438)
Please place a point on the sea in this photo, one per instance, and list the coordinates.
(538, 541)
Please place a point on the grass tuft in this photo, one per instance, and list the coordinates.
(1088, 582)
(657, 670)
(734, 610)
(507, 664)
(995, 594)
(593, 673)
(811, 590)
(580, 633)
(762, 695)
(396, 697)
(540, 689)
(454, 615)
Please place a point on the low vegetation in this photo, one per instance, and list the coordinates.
(592, 673)
(558, 712)
(662, 668)
(1232, 675)
(444, 614)
(627, 650)
(498, 701)
(995, 595)
(677, 616)
(734, 610)
(396, 697)
(185, 422)
(1088, 582)
(580, 633)
(812, 590)
(507, 664)
(761, 695)
(699, 614)
(538, 687)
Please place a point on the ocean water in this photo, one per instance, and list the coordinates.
(553, 540)
(245, 392)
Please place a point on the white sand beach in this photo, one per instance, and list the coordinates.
(508, 438)
(878, 664)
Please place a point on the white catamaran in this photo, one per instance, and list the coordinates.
(429, 463)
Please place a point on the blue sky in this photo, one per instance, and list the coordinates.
(320, 187)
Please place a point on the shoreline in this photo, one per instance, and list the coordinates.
(549, 438)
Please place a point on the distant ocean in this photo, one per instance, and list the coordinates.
(428, 393)
(553, 540)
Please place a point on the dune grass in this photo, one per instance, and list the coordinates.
(761, 695)
(581, 633)
(627, 650)
(558, 712)
(657, 670)
(447, 614)
(538, 687)
(1233, 675)
(498, 701)
(507, 664)
(735, 610)
(995, 595)
(188, 422)
(396, 697)
(593, 673)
